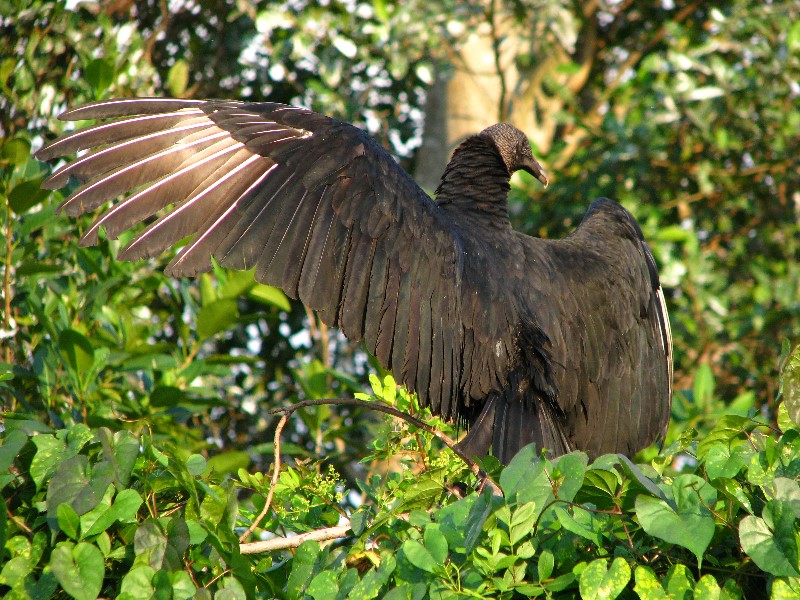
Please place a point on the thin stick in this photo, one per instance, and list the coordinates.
(446, 440)
(276, 470)
(282, 543)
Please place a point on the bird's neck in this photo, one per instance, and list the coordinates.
(476, 183)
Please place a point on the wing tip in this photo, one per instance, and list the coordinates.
(119, 107)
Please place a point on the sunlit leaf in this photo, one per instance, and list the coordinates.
(685, 520)
(79, 569)
(600, 582)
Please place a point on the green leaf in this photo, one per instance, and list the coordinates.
(784, 589)
(228, 462)
(526, 479)
(373, 581)
(121, 450)
(545, 564)
(182, 586)
(178, 78)
(75, 483)
(560, 583)
(581, 522)
(788, 491)
(230, 589)
(456, 520)
(420, 494)
(50, 453)
(15, 150)
(162, 585)
(124, 509)
(727, 428)
(79, 569)
(479, 511)
(419, 556)
(708, 588)
(599, 582)
(570, 471)
(735, 491)
(159, 549)
(13, 441)
(773, 551)
(686, 522)
(77, 350)
(793, 37)
(217, 316)
(15, 571)
(177, 543)
(635, 473)
(137, 583)
(99, 74)
(304, 567)
(790, 383)
(522, 521)
(150, 544)
(68, 520)
(679, 581)
(3, 527)
(389, 389)
(358, 520)
(26, 195)
(270, 295)
(196, 464)
(723, 461)
(103, 542)
(324, 586)
(435, 543)
(703, 391)
(197, 533)
(166, 396)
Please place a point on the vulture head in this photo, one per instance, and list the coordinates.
(515, 149)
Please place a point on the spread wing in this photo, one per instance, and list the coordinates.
(314, 205)
(612, 347)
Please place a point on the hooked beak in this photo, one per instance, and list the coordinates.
(534, 168)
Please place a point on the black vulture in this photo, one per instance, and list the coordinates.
(565, 343)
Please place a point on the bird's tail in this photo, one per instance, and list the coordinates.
(508, 424)
(478, 440)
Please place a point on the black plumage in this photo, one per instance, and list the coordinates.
(565, 343)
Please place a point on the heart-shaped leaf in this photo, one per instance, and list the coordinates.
(648, 587)
(600, 582)
(79, 569)
(685, 520)
(773, 548)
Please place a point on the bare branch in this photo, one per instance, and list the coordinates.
(282, 543)
(276, 471)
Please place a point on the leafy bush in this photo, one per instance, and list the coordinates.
(95, 512)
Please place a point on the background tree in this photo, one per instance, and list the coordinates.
(683, 111)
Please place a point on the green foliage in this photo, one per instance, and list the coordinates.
(97, 513)
(136, 443)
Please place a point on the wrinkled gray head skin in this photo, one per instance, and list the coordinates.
(515, 149)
